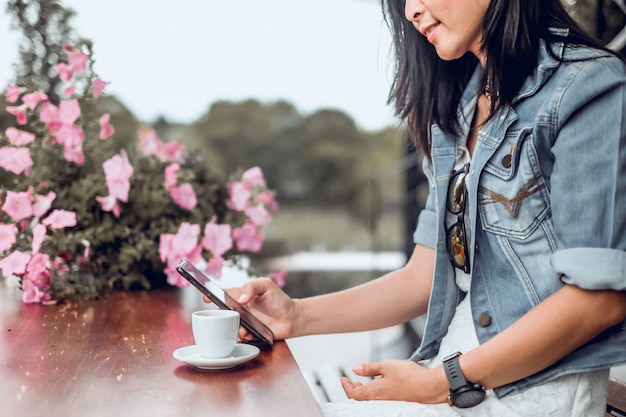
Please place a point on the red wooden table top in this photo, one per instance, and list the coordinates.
(113, 357)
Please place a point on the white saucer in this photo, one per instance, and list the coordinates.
(242, 353)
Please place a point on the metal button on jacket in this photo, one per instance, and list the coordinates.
(483, 319)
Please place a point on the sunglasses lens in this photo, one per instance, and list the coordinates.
(456, 245)
(456, 193)
(456, 241)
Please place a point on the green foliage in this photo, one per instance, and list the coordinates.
(320, 159)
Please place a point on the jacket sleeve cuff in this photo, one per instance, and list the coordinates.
(591, 268)
(426, 231)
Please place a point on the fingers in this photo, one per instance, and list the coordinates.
(357, 391)
(254, 288)
(349, 387)
(369, 369)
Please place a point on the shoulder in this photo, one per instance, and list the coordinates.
(591, 64)
(581, 73)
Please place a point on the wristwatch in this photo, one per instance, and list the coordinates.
(463, 393)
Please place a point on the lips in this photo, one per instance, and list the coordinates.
(427, 30)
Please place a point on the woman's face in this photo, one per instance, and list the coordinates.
(454, 27)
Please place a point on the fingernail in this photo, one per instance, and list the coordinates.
(358, 369)
(241, 297)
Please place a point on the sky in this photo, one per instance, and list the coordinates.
(176, 58)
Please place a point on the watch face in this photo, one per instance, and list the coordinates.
(469, 398)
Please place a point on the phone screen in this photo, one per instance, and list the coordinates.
(224, 301)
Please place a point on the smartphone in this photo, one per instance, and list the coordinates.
(215, 293)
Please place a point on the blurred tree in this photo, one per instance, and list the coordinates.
(319, 159)
(235, 136)
(45, 26)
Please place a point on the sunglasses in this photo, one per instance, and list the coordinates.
(456, 238)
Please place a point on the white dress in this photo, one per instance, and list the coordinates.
(576, 395)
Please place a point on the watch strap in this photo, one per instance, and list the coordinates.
(453, 372)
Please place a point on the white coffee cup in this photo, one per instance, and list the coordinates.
(215, 332)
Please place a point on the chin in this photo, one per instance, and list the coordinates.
(449, 55)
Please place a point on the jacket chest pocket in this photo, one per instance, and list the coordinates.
(513, 197)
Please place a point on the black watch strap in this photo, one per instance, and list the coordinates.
(453, 371)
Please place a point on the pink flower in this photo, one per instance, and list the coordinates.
(19, 137)
(19, 112)
(184, 196)
(253, 176)
(42, 203)
(184, 244)
(97, 85)
(149, 143)
(166, 241)
(239, 195)
(174, 278)
(32, 294)
(172, 151)
(69, 90)
(217, 239)
(117, 173)
(60, 219)
(13, 93)
(37, 271)
(18, 205)
(186, 239)
(49, 114)
(258, 215)
(106, 129)
(267, 199)
(118, 188)
(214, 267)
(69, 111)
(75, 155)
(39, 233)
(14, 264)
(170, 175)
(77, 60)
(109, 203)
(118, 166)
(8, 232)
(279, 278)
(64, 70)
(70, 136)
(248, 237)
(16, 160)
(32, 99)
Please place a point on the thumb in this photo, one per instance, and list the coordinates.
(371, 369)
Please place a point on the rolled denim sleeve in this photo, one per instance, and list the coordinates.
(592, 268)
(588, 181)
(426, 231)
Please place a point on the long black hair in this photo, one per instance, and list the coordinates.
(427, 89)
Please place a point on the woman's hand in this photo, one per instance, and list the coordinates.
(400, 380)
(268, 303)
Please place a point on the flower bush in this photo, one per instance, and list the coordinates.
(81, 215)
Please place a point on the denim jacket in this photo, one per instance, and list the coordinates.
(546, 203)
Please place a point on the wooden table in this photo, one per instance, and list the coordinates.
(113, 358)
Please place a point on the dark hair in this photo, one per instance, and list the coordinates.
(427, 89)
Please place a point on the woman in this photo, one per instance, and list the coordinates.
(520, 256)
